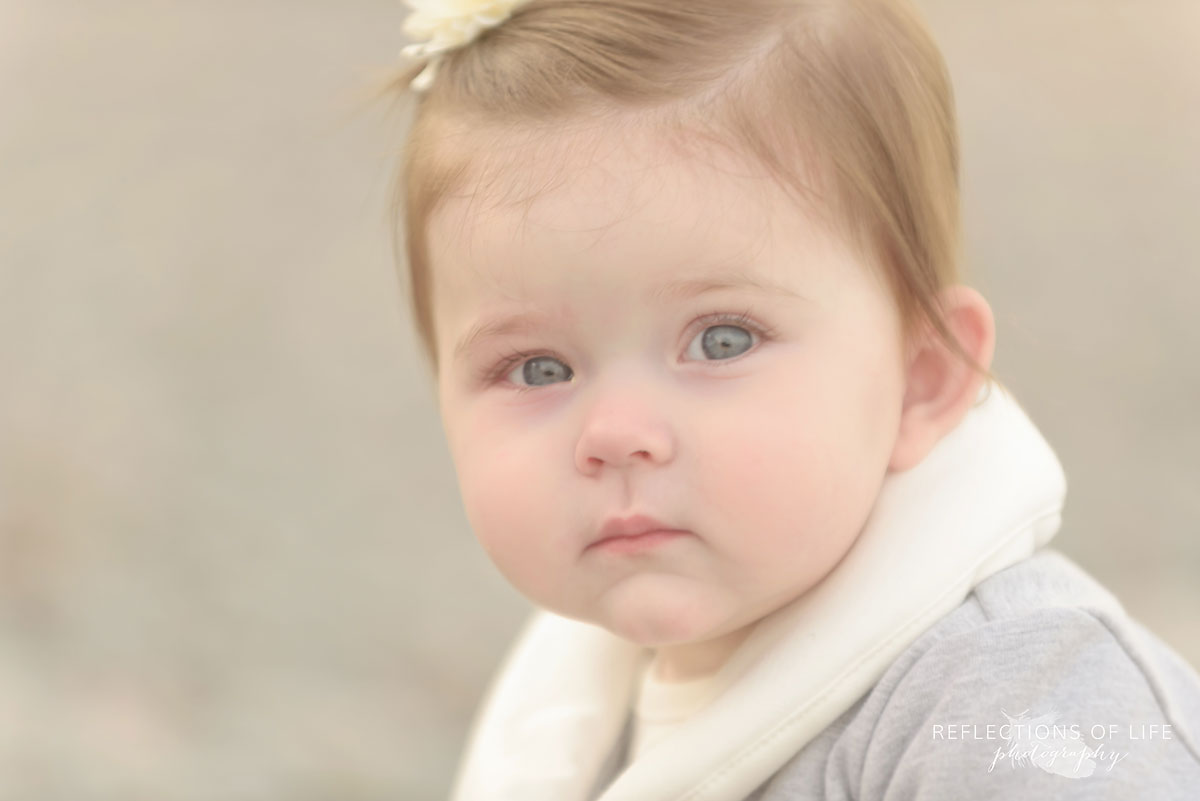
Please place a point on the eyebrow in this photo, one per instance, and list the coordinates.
(729, 279)
(672, 290)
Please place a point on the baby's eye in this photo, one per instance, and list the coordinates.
(720, 342)
(540, 371)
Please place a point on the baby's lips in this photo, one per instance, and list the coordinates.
(631, 525)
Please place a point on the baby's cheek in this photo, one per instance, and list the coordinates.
(511, 513)
(765, 456)
(496, 500)
(771, 485)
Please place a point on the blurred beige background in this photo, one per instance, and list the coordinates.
(232, 561)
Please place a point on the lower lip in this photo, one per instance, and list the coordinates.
(642, 542)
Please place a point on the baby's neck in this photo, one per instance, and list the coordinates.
(696, 660)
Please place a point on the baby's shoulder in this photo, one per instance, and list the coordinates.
(1018, 619)
(1041, 643)
(1041, 621)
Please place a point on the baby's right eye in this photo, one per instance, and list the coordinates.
(539, 371)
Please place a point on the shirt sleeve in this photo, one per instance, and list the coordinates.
(1050, 704)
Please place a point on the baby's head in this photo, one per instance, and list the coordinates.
(692, 260)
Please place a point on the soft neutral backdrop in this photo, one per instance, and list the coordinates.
(233, 563)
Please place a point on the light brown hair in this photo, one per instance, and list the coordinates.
(846, 103)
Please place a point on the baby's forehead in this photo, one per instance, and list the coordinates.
(585, 182)
(597, 223)
(611, 164)
(627, 207)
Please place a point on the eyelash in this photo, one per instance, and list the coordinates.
(744, 319)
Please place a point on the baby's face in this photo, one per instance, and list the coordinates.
(669, 338)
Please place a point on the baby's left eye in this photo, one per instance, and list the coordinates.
(722, 341)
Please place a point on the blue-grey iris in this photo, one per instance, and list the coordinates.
(724, 341)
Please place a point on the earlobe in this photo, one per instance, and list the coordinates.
(939, 386)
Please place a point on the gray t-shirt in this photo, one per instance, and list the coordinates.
(1037, 686)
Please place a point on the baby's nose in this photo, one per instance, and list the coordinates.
(623, 436)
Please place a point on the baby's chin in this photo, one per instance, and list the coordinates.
(660, 611)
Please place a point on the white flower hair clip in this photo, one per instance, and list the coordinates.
(446, 25)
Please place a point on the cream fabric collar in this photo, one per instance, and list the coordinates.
(988, 495)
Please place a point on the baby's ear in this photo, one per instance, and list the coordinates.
(939, 387)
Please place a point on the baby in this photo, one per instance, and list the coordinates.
(686, 276)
